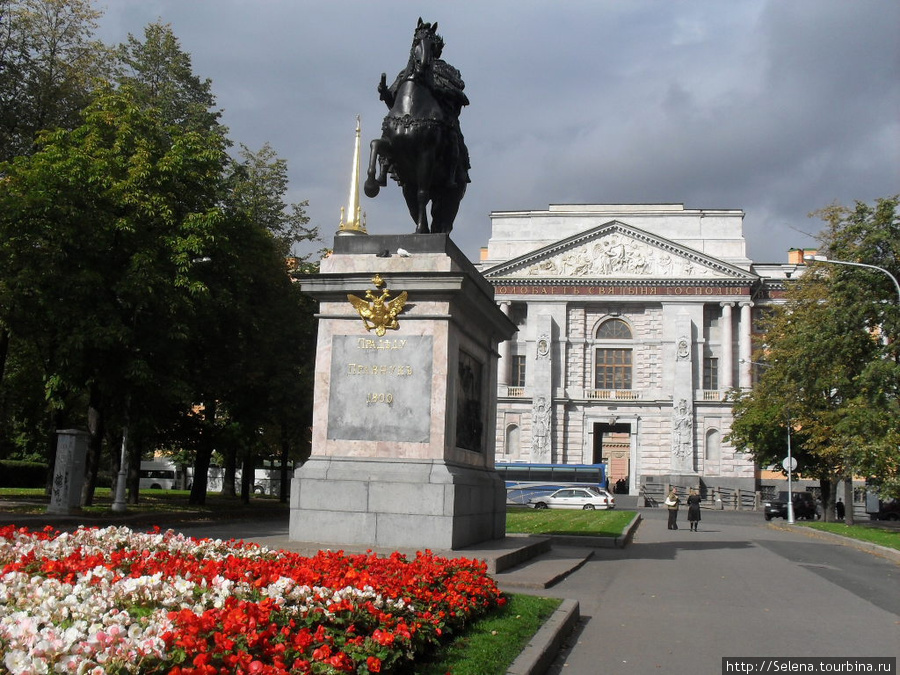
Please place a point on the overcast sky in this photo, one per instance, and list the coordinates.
(776, 107)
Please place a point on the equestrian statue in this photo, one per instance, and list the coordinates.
(421, 145)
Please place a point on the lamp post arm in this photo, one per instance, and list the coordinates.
(824, 259)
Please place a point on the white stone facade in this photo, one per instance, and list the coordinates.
(634, 322)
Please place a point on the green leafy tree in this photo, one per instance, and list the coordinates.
(252, 366)
(867, 426)
(161, 74)
(48, 63)
(103, 223)
(832, 362)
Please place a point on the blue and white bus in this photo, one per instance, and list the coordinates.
(524, 481)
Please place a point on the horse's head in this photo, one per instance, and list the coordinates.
(427, 45)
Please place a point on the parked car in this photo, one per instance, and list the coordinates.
(575, 498)
(888, 510)
(804, 507)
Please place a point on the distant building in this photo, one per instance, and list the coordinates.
(634, 323)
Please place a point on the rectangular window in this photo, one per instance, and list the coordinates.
(518, 371)
(612, 369)
(710, 373)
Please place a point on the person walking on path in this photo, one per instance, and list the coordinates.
(693, 502)
(672, 502)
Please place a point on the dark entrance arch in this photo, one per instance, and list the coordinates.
(612, 446)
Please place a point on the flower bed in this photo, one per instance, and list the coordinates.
(116, 601)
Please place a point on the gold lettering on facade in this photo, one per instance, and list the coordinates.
(373, 398)
(367, 343)
(393, 370)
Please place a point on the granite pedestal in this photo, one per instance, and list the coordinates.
(403, 441)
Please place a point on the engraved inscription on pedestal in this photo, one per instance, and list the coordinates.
(380, 389)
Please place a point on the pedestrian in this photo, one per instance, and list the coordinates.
(672, 502)
(693, 502)
(839, 509)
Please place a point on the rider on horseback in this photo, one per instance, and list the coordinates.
(446, 85)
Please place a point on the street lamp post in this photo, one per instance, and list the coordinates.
(826, 259)
(118, 504)
(788, 464)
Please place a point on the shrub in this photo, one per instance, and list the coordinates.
(18, 474)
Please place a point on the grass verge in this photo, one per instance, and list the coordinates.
(889, 538)
(523, 520)
(492, 643)
(33, 501)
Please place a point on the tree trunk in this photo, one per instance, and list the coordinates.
(95, 446)
(230, 455)
(204, 456)
(133, 478)
(828, 489)
(248, 475)
(201, 474)
(285, 482)
(4, 350)
(848, 500)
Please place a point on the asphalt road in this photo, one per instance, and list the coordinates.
(679, 601)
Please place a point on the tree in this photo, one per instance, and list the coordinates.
(48, 63)
(868, 423)
(254, 370)
(162, 77)
(102, 224)
(258, 189)
(832, 355)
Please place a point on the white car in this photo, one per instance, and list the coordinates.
(575, 498)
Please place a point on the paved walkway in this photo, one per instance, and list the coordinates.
(679, 601)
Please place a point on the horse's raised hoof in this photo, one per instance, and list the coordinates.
(371, 188)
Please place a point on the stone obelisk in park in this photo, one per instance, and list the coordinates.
(406, 359)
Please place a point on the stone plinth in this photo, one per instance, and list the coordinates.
(68, 471)
(403, 429)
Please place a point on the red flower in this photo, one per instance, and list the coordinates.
(373, 663)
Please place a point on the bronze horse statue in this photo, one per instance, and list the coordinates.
(421, 145)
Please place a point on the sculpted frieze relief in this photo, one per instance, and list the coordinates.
(617, 255)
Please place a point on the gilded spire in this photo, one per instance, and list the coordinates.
(351, 220)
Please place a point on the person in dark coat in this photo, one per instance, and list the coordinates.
(693, 502)
(672, 502)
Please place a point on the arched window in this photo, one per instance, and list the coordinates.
(613, 362)
(614, 329)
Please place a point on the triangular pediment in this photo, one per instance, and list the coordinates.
(616, 251)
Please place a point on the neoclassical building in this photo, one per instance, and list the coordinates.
(634, 323)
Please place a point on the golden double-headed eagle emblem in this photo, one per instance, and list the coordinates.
(379, 312)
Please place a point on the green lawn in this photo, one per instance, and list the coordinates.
(491, 644)
(872, 534)
(523, 520)
(34, 501)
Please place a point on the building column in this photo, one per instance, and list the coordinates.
(727, 369)
(745, 348)
(504, 365)
(542, 401)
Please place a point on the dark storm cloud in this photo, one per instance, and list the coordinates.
(777, 108)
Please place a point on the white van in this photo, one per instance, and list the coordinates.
(159, 475)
